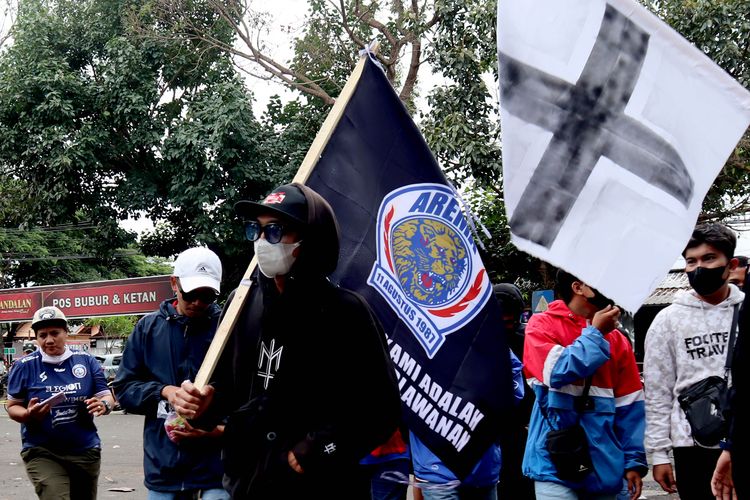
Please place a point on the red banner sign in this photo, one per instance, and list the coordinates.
(85, 300)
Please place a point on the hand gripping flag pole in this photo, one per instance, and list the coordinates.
(303, 173)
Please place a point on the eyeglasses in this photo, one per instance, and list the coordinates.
(205, 295)
(273, 231)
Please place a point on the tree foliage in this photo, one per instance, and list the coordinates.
(453, 37)
(461, 124)
(501, 258)
(69, 254)
(114, 327)
(451, 41)
(721, 29)
(335, 30)
(97, 123)
(72, 252)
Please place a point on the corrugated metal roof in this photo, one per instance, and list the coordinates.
(663, 295)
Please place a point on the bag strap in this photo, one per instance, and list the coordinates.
(732, 335)
(582, 402)
(586, 387)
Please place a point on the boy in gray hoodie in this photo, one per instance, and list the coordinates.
(686, 343)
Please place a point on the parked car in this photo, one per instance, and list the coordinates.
(110, 364)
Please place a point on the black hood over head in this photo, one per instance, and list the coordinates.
(320, 237)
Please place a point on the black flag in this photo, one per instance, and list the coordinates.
(408, 249)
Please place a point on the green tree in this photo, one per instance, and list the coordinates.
(461, 124)
(453, 37)
(720, 29)
(114, 328)
(334, 31)
(501, 258)
(97, 123)
(452, 41)
(73, 252)
(64, 254)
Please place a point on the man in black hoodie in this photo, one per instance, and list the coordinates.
(305, 378)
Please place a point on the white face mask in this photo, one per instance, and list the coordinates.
(274, 259)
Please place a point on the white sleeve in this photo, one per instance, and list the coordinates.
(660, 373)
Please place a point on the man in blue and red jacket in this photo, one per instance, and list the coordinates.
(574, 339)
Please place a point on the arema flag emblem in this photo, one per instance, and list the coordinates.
(428, 268)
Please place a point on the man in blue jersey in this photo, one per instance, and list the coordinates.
(55, 393)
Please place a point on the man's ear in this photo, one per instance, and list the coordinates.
(577, 287)
(173, 283)
(733, 263)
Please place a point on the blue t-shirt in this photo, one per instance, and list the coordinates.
(68, 427)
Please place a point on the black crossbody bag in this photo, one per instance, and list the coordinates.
(568, 448)
(705, 403)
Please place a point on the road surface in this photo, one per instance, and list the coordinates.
(122, 458)
(122, 461)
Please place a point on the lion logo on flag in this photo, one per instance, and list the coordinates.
(428, 268)
(430, 260)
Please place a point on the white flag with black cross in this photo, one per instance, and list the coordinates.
(614, 127)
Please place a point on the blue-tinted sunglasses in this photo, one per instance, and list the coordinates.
(273, 231)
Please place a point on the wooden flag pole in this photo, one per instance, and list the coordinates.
(303, 173)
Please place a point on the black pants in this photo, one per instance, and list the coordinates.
(693, 468)
(740, 464)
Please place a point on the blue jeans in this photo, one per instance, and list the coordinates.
(461, 493)
(212, 494)
(554, 491)
(386, 487)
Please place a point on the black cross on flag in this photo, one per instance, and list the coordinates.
(607, 117)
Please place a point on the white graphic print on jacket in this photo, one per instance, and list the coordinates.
(269, 359)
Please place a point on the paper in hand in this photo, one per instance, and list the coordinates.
(55, 399)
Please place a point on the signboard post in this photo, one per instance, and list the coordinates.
(86, 300)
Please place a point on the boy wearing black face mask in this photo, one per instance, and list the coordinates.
(575, 339)
(686, 343)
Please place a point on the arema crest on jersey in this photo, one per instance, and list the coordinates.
(428, 268)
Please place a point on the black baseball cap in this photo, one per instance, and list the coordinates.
(286, 201)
